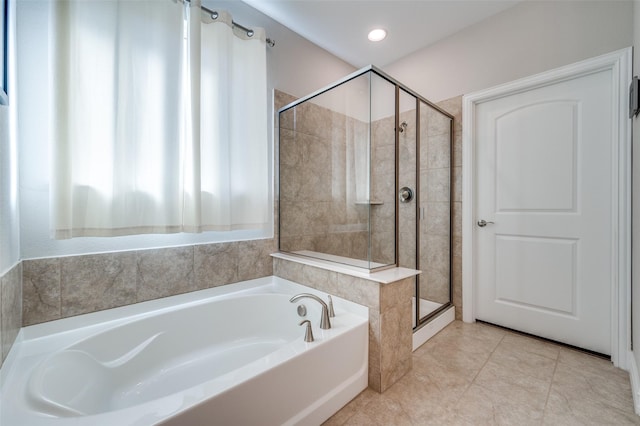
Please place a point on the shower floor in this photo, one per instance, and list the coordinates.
(426, 307)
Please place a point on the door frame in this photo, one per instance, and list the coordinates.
(619, 62)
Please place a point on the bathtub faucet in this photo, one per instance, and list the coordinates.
(325, 323)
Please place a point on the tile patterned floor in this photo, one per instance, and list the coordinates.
(477, 374)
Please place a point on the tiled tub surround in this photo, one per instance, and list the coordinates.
(10, 309)
(66, 286)
(390, 313)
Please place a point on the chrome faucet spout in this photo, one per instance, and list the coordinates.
(325, 323)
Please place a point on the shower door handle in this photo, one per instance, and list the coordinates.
(482, 223)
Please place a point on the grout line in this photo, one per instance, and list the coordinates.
(546, 401)
(487, 361)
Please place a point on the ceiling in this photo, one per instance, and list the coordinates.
(341, 27)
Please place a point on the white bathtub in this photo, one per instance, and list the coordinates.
(232, 355)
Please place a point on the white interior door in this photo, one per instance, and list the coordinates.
(544, 177)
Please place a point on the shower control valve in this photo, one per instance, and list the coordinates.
(406, 194)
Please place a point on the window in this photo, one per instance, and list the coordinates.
(154, 134)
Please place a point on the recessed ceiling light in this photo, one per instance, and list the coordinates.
(377, 35)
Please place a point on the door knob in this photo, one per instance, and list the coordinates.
(482, 223)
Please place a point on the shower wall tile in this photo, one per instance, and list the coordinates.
(10, 309)
(360, 246)
(293, 219)
(434, 286)
(437, 218)
(281, 99)
(457, 220)
(291, 184)
(384, 158)
(438, 184)
(333, 243)
(383, 188)
(438, 152)
(312, 119)
(435, 250)
(383, 246)
(457, 184)
(317, 183)
(383, 132)
(95, 282)
(290, 149)
(41, 300)
(287, 119)
(215, 264)
(436, 123)
(457, 144)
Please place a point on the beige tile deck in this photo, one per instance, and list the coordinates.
(477, 374)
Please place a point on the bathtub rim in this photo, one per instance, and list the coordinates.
(122, 314)
(35, 340)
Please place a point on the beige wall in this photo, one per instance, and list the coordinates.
(529, 38)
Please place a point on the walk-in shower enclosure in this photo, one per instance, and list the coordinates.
(365, 180)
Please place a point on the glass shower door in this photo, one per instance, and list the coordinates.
(408, 189)
(433, 291)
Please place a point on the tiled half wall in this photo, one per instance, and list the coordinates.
(66, 286)
(10, 309)
(390, 315)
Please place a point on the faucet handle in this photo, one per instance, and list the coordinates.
(332, 313)
(308, 334)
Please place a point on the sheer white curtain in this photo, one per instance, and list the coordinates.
(233, 126)
(144, 141)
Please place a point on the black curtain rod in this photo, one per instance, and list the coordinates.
(249, 31)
